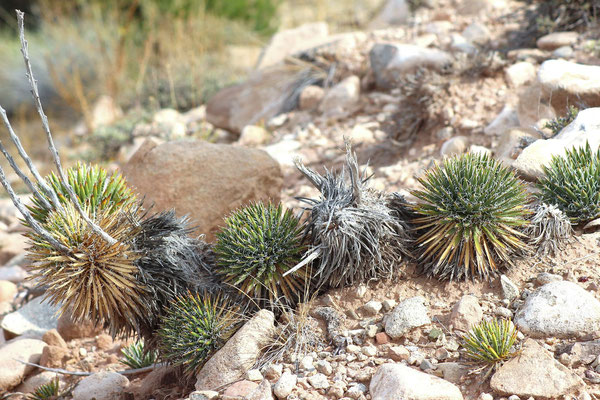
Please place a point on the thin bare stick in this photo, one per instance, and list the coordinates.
(14, 165)
(83, 373)
(25, 213)
(38, 104)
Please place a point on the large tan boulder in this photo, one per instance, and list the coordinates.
(203, 180)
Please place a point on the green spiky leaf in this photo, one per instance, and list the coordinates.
(93, 186)
(47, 391)
(470, 212)
(257, 246)
(572, 183)
(490, 342)
(135, 356)
(194, 327)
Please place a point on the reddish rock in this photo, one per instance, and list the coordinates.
(239, 390)
(53, 338)
(70, 330)
(54, 357)
(203, 180)
(382, 338)
(104, 342)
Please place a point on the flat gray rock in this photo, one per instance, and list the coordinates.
(409, 314)
(559, 309)
(535, 372)
(33, 319)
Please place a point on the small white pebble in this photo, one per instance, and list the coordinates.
(82, 352)
(352, 349)
(254, 375)
(370, 351)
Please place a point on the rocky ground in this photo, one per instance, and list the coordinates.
(406, 94)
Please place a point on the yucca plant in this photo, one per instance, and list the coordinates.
(96, 280)
(47, 391)
(194, 327)
(94, 187)
(471, 211)
(572, 183)
(170, 262)
(355, 233)
(490, 342)
(136, 356)
(95, 251)
(255, 249)
(549, 229)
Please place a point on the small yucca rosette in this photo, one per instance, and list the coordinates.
(255, 249)
(490, 341)
(572, 183)
(471, 213)
(194, 327)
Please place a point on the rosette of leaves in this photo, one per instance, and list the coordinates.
(355, 233)
(470, 215)
(96, 280)
(136, 356)
(572, 183)
(194, 327)
(490, 342)
(255, 249)
(47, 391)
(95, 189)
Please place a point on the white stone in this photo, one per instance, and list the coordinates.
(12, 371)
(510, 291)
(410, 313)
(372, 307)
(476, 33)
(474, 149)
(284, 151)
(106, 385)
(466, 313)
(253, 135)
(254, 375)
(454, 146)
(559, 309)
(291, 41)
(306, 363)
(285, 385)
(397, 381)
(324, 367)
(318, 381)
(520, 74)
(565, 82)
(507, 119)
(369, 351)
(555, 40)
(394, 12)
(584, 129)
